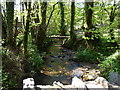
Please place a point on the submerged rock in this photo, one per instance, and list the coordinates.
(42, 79)
(77, 72)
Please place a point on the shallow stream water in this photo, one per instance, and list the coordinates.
(60, 67)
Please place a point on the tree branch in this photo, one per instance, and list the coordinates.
(115, 7)
(107, 11)
(51, 14)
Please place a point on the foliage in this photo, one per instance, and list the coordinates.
(88, 55)
(34, 57)
(110, 64)
(106, 45)
(8, 81)
(54, 26)
(11, 70)
(102, 49)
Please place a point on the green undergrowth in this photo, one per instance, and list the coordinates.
(12, 69)
(102, 49)
(13, 65)
(8, 80)
(105, 52)
(34, 58)
(110, 64)
(88, 55)
(106, 46)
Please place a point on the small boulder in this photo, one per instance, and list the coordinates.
(77, 72)
(78, 83)
(98, 84)
(57, 84)
(102, 81)
(114, 78)
(88, 77)
(28, 83)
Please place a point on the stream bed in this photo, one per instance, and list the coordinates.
(60, 67)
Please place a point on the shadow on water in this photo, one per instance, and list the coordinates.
(58, 66)
(43, 79)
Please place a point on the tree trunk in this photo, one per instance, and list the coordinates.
(72, 42)
(36, 9)
(16, 31)
(10, 18)
(4, 30)
(93, 37)
(25, 39)
(1, 25)
(72, 34)
(23, 17)
(26, 32)
(89, 14)
(112, 17)
(35, 29)
(119, 16)
(42, 31)
(62, 27)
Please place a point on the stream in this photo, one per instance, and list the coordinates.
(60, 67)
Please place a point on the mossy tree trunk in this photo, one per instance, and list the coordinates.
(35, 29)
(89, 14)
(25, 39)
(93, 37)
(71, 43)
(4, 29)
(62, 27)
(41, 36)
(112, 17)
(72, 34)
(119, 16)
(16, 31)
(112, 14)
(10, 19)
(23, 17)
(26, 32)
